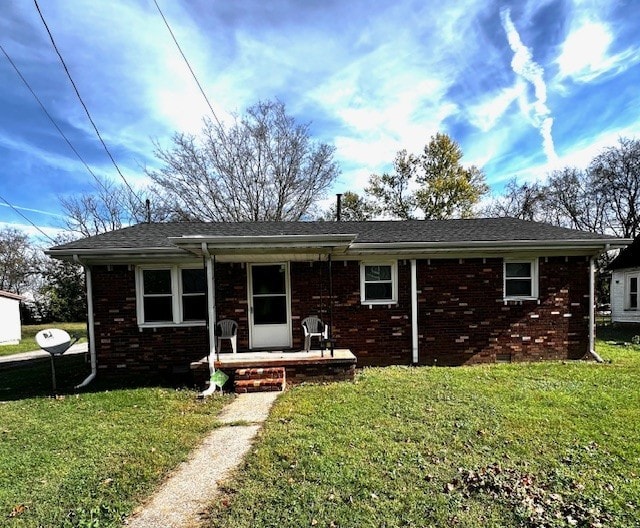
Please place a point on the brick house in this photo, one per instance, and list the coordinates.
(447, 292)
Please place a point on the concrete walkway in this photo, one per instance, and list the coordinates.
(185, 495)
(79, 348)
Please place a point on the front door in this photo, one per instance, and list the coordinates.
(270, 323)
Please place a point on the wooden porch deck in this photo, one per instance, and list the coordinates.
(300, 366)
(282, 358)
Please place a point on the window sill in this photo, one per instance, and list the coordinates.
(519, 299)
(379, 303)
(171, 325)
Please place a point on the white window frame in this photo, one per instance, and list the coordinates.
(394, 282)
(627, 291)
(176, 296)
(534, 278)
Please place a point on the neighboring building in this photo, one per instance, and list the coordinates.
(447, 292)
(625, 285)
(10, 328)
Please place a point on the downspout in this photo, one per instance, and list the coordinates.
(592, 311)
(414, 313)
(330, 305)
(90, 325)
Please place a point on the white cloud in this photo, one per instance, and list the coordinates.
(585, 53)
(487, 113)
(524, 66)
(31, 210)
(35, 233)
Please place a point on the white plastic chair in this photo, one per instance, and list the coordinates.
(314, 327)
(227, 329)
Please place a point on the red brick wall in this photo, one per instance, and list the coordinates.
(463, 318)
(231, 299)
(121, 346)
(462, 315)
(376, 334)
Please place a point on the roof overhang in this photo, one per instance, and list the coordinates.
(256, 245)
(117, 255)
(305, 247)
(578, 246)
(10, 295)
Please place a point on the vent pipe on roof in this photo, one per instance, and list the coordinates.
(338, 207)
(147, 205)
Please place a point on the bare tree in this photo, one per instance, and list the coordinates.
(571, 201)
(616, 178)
(262, 166)
(525, 201)
(18, 261)
(110, 207)
(604, 198)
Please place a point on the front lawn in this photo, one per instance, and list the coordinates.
(88, 459)
(545, 444)
(28, 342)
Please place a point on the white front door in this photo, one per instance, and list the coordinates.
(270, 322)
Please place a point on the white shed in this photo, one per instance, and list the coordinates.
(10, 331)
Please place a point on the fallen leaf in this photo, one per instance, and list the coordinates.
(18, 510)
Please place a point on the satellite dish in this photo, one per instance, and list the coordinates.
(54, 341)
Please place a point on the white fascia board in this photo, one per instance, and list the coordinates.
(239, 244)
(593, 245)
(118, 255)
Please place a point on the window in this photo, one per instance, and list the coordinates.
(194, 294)
(378, 283)
(158, 299)
(631, 296)
(521, 279)
(171, 295)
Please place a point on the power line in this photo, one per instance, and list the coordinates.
(55, 47)
(23, 216)
(187, 63)
(53, 122)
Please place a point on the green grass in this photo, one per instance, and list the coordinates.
(88, 459)
(485, 446)
(28, 342)
(544, 444)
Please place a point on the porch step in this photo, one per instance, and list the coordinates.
(259, 379)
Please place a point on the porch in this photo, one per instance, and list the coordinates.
(299, 366)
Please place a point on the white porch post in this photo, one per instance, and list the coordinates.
(211, 297)
(414, 312)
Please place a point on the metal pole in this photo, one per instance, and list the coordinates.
(53, 375)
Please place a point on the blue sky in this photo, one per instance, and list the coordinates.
(523, 86)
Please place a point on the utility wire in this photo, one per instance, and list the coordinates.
(53, 122)
(187, 63)
(55, 47)
(23, 216)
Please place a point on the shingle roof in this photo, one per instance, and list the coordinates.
(157, 235)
